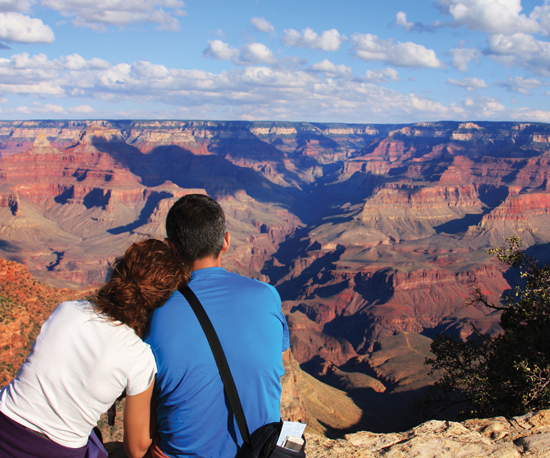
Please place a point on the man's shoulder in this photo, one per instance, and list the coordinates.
(225, 277)
(238, 281)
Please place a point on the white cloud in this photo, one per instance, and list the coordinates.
(262, 25)
(483, 107)
(329, 40)
(331, 70)
(76, 62)
(40, 108)
(13, 6)
(26, 62)
(25, 74)
(542, 15)
(461, 57)
(252, 92)
(257, 53)
(371, 48)
(40, 89)
(470, 84)
(148, 71)
(522, 85)
(490, 16)
(249, 54)
(525, 114)
(518, 43)
(401, 20)
(49, 108)
(117, 77)
(97, 14)
(521, 50)
(19, 28)
(37, 75)
(413, 55)
(23, 110)
(219, 50)
(81, 109)
(263, 77)
(381, 76)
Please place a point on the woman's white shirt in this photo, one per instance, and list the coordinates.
(78, 366)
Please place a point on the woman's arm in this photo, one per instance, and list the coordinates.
(137, 423)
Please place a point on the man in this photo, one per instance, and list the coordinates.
(193, 415)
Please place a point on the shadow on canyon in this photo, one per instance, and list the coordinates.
(216, 175)
(490, 196)
(9, 251)
(318, 270)
(9, 247)
(540, 252)
(383, 412)
(144, 215)
(220, 177)
(460, 226)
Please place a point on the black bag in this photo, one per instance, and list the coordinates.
(263, 442)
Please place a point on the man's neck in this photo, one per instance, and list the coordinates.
(204, 263)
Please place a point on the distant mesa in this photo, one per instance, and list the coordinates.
(41, 142)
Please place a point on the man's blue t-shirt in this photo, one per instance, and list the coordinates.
(193, 414)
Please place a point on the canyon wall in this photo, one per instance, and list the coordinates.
(372, 234)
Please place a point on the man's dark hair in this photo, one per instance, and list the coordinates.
(196, 225)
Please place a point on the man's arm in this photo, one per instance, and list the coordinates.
(138, 435)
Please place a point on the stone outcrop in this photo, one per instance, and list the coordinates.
(498, 437)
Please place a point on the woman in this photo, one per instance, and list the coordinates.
(86, 355)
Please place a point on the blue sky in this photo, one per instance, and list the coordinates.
(353, 61)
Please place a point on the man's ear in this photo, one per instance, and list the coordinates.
(226, 242)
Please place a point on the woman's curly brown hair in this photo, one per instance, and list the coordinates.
(141, 281)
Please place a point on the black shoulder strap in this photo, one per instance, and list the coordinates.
(221, 361)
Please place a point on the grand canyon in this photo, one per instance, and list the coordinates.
(372, 234)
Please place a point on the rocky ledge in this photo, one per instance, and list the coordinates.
(525, 436)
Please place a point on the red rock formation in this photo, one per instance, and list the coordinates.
(521, 207)
(389, 150)
(489, 171)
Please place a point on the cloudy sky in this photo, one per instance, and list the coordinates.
(355, 61)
